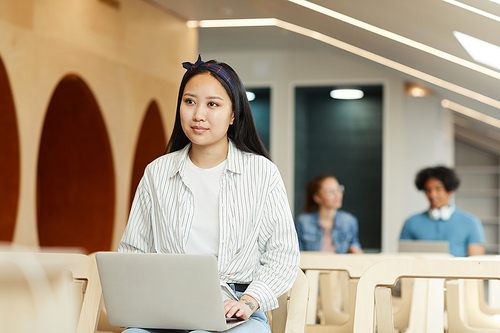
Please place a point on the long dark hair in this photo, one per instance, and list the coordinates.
(242, 132)
(312, 189)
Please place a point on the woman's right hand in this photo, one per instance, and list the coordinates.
(242, 309)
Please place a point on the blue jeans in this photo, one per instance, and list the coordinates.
(257, 323)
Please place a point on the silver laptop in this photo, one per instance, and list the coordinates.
(163, 291)
(420, 246)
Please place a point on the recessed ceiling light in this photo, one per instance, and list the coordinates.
(346, 94)
(474, 9)
(224, 23)
(399, 38)
(250, 96)
(481, 51)
(417, 91)
(360, 52)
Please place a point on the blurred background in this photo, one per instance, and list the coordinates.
(88, 92)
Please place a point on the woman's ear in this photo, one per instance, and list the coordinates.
(232, 119)
(317, 199)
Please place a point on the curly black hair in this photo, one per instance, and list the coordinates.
(446, 175)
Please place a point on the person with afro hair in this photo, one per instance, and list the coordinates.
(443, 221)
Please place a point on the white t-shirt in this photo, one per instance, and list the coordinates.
(258, 240)
(204, 235)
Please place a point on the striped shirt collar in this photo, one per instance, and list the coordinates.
(235, 160)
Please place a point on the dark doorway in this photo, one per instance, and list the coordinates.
(261, 110)
(342, 138)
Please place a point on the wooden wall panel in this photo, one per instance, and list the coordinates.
(9, 159)
(150, 145)
(76, 181)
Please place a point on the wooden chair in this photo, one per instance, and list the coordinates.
(316, 264)
(333, 302)
(385, 273)
(479, 313)
(493, 305)
(467, 310)
(458, 318)
(427, 308)
(475, 295)
(290, 316)
(58, 292)
(91, 306)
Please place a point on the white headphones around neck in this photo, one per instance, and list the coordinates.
(444, 213)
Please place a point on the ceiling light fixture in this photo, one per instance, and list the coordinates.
(474, 9)
(355, 50)
(258, 22)
(481, 51)
(397, 38)
(417, 91)
(346, 94)
(470, 113)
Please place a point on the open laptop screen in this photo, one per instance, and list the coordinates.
(419, 246)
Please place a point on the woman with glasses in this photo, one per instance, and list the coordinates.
(323, 226)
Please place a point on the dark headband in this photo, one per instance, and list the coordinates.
(217, 69)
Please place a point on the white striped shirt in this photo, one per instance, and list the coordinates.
(258, 241)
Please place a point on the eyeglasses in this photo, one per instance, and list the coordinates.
(340, 189)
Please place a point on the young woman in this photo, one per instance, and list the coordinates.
(217, 192)
(324, 227)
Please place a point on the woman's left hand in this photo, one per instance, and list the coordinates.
(242, 309)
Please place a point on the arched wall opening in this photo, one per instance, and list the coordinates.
(76, 180)
(9, 159)
(150, 145)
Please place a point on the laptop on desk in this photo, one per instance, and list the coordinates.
(163, 291)
(420, 246)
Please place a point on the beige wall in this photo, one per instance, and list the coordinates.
(417, 132)
(127, 56)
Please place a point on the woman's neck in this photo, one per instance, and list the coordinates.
(326, 217)
(208, 157)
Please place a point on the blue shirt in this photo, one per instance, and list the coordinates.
(461, 230)
(344, 233)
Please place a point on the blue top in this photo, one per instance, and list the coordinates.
(460, 230)
(344, 233)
